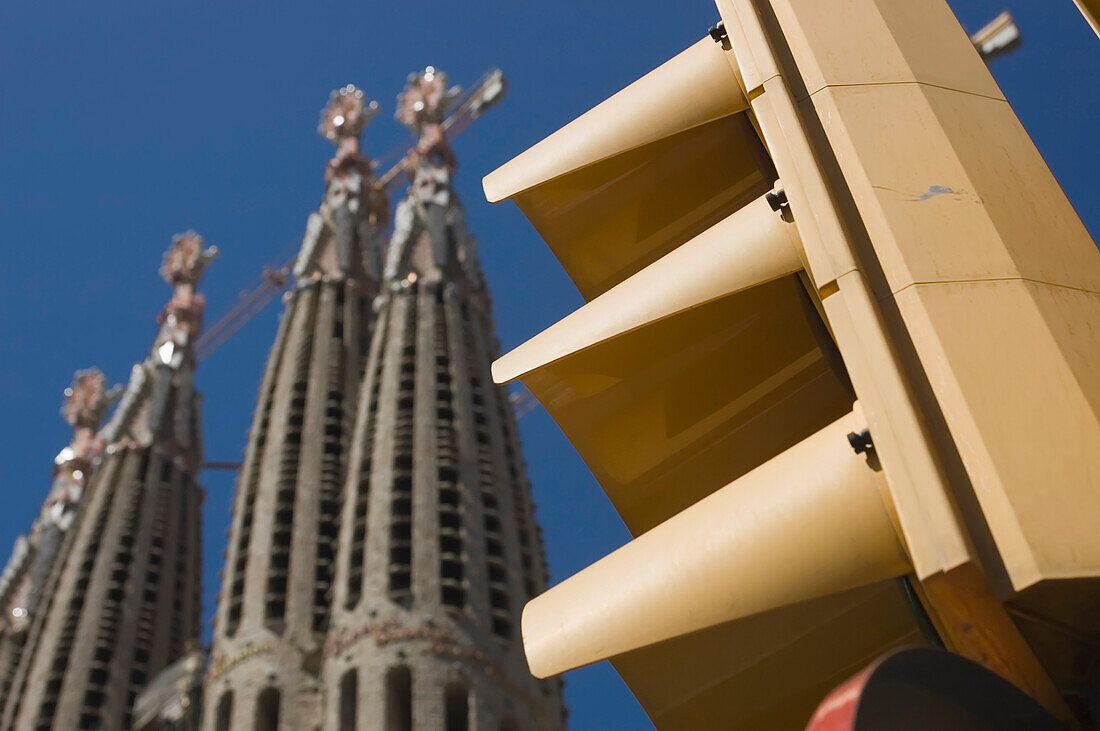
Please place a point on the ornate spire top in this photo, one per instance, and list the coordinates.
(87, 400)
(181, 319)
(426, 99)
(354, 208)
(185, 261)
(347, 114)
(163, 380)
(23, 580)
(429, 233)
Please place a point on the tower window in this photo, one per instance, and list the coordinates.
(267, 710)
(457, 707)
(224, 715)
(349, 692)
(399, 699)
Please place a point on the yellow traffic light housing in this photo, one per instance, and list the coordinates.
(1091, 10)
(828, 201)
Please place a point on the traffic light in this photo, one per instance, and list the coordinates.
(1091, 10)
(837, 370)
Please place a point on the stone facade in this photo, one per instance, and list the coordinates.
(276, 599)
(383, 540)
(274, 609)
(122, 602)
(24, 582)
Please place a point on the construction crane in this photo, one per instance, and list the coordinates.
(276, 277)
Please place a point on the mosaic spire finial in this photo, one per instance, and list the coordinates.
(431, 205)
(347, 114)
(354, 208)
(87, 399)
(425, 99)
(23, 580)
(187, 258)
(181, 320)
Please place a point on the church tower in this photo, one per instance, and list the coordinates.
(24, 579)
(439, 549)
(121, 600)
(274, 609)
(404, 612)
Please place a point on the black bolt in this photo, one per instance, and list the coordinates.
(777, 200)
(861, 441)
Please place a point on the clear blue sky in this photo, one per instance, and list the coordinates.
(123, 123)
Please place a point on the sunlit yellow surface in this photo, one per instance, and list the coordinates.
(945, 282)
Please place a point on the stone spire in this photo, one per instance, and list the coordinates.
(86, 403)
(439, 548)
(24, 578)
(383, 538)
(274, 607)
(121, 601)
(430, 238)
(157, 402)
(340, 239)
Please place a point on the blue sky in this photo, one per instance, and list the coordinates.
(124, 123)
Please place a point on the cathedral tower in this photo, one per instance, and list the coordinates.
(121, 600)
(439, 549)
(404, 611)
(24, 579)
(274, 607)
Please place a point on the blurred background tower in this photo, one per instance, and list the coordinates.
(439, 546)
(122, 599)
(378, 584)
(277, 586)
(24, 579)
